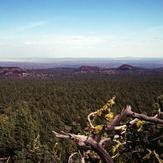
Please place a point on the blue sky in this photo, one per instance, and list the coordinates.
(81, 28)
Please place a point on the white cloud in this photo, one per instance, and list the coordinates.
(67, 40)
(155, 29)
(31, 25)
(83, 46)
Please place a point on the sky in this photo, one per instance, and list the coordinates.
(81, 28)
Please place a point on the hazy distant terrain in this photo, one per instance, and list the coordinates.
(41, 63)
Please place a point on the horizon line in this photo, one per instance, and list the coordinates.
(77, 57)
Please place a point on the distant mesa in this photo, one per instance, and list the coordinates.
(88, 69)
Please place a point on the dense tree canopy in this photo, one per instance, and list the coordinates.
(30, 109)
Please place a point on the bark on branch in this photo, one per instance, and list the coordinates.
(97, 146)
(125, 113)
(82, 141)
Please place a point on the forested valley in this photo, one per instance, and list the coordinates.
(31, 108)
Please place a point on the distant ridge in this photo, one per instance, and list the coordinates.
(12, 71)
(43, 63)
(128, 67)
(88, 69)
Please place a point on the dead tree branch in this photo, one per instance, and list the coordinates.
(125, 113)
(82, 140)
(91, 143)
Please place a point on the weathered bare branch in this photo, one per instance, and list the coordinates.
(97, 145)
(99, 150)
(4, 158)
(82, 140)
(61, 136)
(145, 117)
(89, 119)
(125, 113)
(104, 140)
(71, 156)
